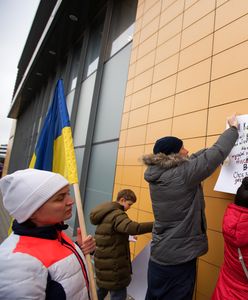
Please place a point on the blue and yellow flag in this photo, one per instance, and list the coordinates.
(54, 150)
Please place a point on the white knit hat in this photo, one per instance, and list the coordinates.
(26, 190)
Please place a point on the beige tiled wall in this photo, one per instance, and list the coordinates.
(188, 72)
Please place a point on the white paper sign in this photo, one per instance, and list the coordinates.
(235, 168)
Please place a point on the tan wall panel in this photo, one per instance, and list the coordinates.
(199, 296)
(230, 11)
(145, 200)
(134, 55)
(140, 9)
(192, 100)
(151, 11)
(170, 30)
(141, 98)
(189, 3)
(149, 30)
(215, 241)
(132, 213)
(148, 148)
(209, 185)
(133, 154)
(194, 145)
(129, 87)
(117, 188)
(217, 115)
(119, 174)
(168, 49)
(190, 125)
(123, 138)
(198, 30)
(157, 130)
(230, 88)
(220, 2)
(147, 46)
(230, 61)
(127, 104)
(132, 175)
(163, 88)
(136, 136)
(198, 11)
(171, 12)
(144, 183)
(120, 156)
(166, 68)
(136, 38)
(124, 122)
(231, 34)
(161, 110)
(196, 52)
(167, 3)
(144, 216)
(193, 76)
(207, 276)
(138, 25)
(143, 80)
(215, 208)
(145, 63)
(138, 116)
(131, 71)
(149, 4)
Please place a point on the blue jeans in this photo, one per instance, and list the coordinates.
(114, 294)
(171, 282)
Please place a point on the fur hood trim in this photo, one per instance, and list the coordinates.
(163, 160)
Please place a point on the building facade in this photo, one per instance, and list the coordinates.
(135, 71)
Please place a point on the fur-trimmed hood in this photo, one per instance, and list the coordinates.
(159, 163)
(163, 160)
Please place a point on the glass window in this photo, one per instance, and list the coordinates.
(69, 102)
(112, 96)
(122, 25)
(83, 112)
(79, 153)
(93, 50)
(100, 178)
(74, 68)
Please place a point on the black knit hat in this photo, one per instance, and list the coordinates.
(241, 198)
(168, 145)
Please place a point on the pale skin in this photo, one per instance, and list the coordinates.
(58, 209)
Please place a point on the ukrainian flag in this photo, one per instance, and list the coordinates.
(54, 150)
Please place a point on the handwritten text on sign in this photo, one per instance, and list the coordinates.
(235, 167)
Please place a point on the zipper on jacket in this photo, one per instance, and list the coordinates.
(81, 262)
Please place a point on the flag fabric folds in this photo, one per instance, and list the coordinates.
(54, 150)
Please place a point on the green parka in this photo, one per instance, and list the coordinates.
(112, 255)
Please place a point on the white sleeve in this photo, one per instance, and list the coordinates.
(22, 276)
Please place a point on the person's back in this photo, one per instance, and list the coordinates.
(112, 255)
(232, 283)
(179, 233)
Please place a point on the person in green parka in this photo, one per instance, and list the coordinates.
(112, 256)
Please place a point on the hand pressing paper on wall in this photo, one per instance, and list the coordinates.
(235, 167)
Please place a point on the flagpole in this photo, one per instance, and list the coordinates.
(84, 234)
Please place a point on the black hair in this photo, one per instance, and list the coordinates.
(241, 197)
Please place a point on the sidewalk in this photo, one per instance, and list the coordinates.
(4, 221)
